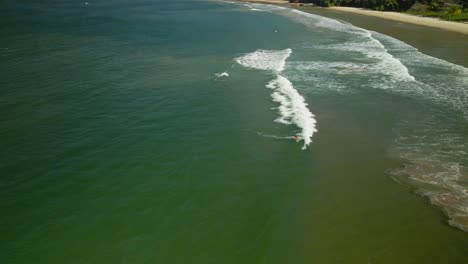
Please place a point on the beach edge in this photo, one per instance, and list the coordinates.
(457, 27)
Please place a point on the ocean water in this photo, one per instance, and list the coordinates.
(220, 132)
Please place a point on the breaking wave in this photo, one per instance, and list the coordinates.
(292, 106)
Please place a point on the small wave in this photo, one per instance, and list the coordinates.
(330, 67)
(274, 60)
(221, 74)
(382, 61)
(252, 8)
(266, 7)
(387, 62)
(317, 21)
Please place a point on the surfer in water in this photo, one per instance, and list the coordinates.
(296, 138)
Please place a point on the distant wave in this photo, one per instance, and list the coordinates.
(253, 8)
(221, 74)
(293, 108)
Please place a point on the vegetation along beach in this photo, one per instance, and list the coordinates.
(210, 131)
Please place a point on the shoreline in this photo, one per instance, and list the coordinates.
(279, 2)
(394, 16)
(411, 19)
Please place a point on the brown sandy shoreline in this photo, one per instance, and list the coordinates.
(400, 17)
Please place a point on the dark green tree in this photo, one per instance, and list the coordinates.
(391, 4)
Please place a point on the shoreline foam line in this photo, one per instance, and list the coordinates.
(406, 18)
(293, 108)
(367, 44)
(430, 22)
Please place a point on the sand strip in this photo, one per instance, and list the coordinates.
(423, 21)
(400, 17)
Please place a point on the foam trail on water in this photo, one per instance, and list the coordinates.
(252, 8)
(293, 108)
(274, 136)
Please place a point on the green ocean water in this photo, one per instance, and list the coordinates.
(119, 144)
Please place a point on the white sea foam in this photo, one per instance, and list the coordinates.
(364, 42)
(293, 108)
(267, 7)
(222, 74)
(253, 8)
(274, 60)
(382, 62)
(388, 63)
(317, 21)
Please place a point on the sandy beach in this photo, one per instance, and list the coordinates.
(400, 17)
(423, 21)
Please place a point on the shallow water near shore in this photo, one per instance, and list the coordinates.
(442, 44)
(162, 132)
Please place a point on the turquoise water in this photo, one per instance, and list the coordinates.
(120, 144)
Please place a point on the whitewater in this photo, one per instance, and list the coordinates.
(292, 108)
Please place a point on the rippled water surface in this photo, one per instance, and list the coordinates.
(165, 132)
